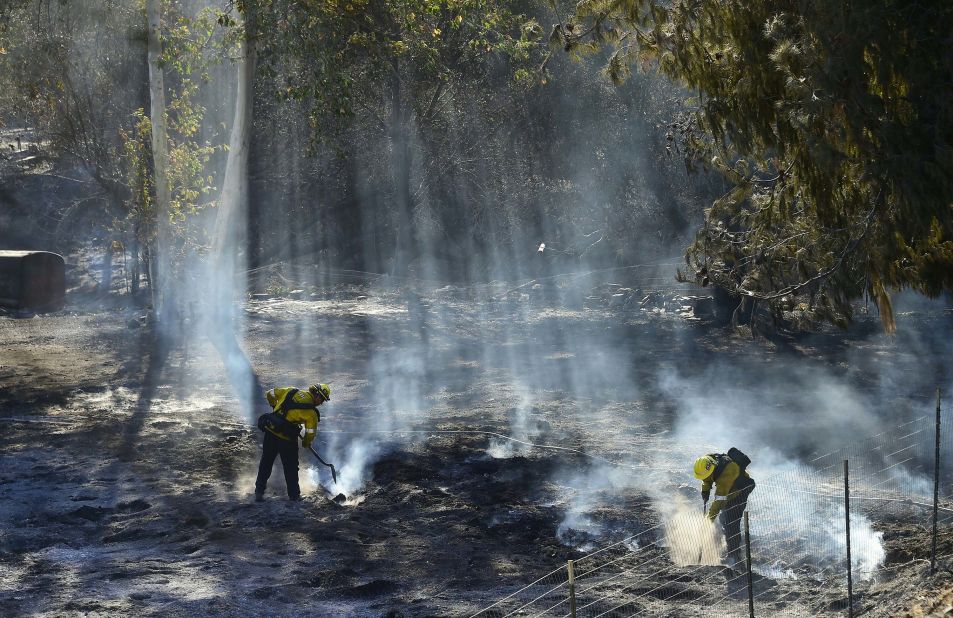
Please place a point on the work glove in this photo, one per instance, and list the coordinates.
(306, 440)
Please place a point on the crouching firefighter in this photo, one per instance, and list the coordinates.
(727, 472)
(292, 408)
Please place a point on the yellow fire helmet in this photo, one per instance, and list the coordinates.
(704, 466)
(321, 389)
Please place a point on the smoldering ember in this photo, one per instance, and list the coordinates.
(475, 308)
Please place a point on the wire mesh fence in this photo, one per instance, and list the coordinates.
(879, 504)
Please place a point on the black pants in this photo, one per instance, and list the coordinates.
(731, 521)
(272, 447)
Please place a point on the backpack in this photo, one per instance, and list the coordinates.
(289, 403)
(739, 458)
(733, 455)
(277, 423)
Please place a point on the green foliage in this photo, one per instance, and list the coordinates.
(379, 78)
(191, 47)
(832, 123)
(137, 156)
(56, 75)
(76, 73)
(371, 57)
(189, 183)
(188, 159)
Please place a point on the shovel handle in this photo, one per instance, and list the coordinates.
(334, 474)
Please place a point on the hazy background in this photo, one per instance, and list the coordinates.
(474, 312)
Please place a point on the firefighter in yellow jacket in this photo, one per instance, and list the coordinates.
(291, 408)
(733, 485)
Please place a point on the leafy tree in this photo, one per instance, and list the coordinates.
(62, 69)
(389, 67)
(76, 73)
(832, 124)
(187, 175)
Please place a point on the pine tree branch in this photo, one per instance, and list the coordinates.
(849, 249)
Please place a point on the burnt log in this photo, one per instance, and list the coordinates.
(32, 280)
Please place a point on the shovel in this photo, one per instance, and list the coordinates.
(333, 473)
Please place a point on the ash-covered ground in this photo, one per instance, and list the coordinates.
(126, 477)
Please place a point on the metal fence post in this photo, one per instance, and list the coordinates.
(750, 583)
(572, 590)
(936, 485)
(850, 576)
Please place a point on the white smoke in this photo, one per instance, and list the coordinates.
(522, 429)
(866, 544)
(796, 511)
(690, 537)
(586, 491)
(354, 466)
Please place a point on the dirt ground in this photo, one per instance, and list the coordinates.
(126, 480)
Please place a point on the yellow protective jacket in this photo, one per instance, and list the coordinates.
(724, 487)
(307, 417)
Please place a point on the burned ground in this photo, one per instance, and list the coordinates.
(126, 477)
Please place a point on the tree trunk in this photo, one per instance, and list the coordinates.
(106, 273)
(401, 153)
(233, 201)
(160, 156)
(355, 241)
(726, 305)
(407, 245)
(230, 232)
(134, 258)
(253, 243)
(148, 259)
(660, 182)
